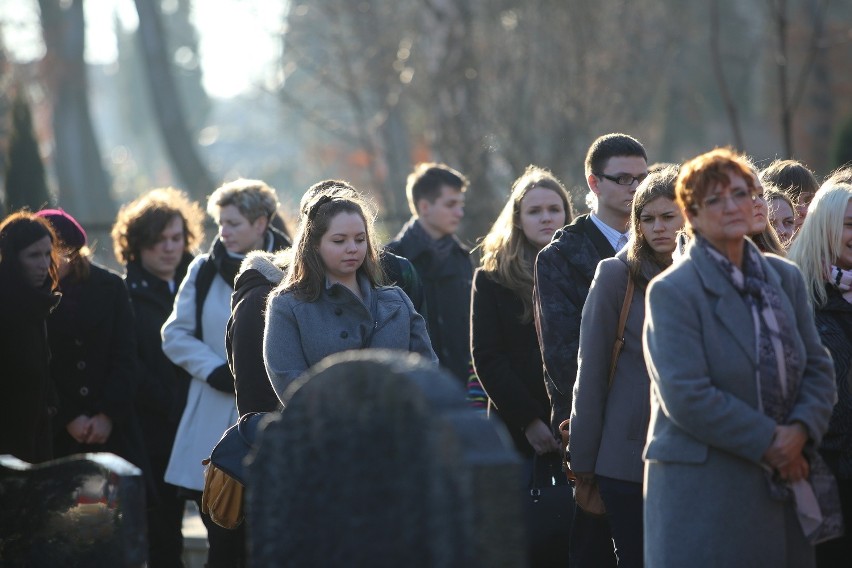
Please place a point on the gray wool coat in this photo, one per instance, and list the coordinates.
(609, 423)
(706, 499)
(298, 334)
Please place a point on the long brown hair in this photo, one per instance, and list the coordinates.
(506, 252)
(306, 273)
(660, 183)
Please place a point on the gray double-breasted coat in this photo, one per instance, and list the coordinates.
(707, 501)
(298, 333)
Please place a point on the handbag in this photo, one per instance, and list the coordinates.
(224, 474)
(548, 506)
(586, 492)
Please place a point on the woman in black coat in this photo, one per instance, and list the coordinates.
(28, 282)
(94, 354)
(503, 341)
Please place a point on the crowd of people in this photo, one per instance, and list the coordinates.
(692, 333)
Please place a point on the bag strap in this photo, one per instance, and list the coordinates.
(619, 335)
(203, 282)
(616, 351)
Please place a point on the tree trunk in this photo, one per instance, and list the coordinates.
(168, 109)
(84, 186)
(719, 72)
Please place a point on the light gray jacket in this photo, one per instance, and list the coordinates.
(299, 334)
(707, 501)
(609, 423)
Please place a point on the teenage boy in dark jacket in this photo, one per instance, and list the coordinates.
(615, 165)
(436, 199)
(153, 236)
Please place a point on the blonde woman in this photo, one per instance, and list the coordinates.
(823, 251)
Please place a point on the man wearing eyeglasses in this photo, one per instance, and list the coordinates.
(615, 165)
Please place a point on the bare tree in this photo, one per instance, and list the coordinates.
(731, 108)
(168, 108)
(84, 187)
(791, 86)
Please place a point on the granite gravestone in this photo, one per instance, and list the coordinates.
(85, 510)
(376, 460)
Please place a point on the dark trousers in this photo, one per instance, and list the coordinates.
(623, 500)
(165, 527)
(227, 547)
(591, 542)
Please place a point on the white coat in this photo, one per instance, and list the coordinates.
(208, 412)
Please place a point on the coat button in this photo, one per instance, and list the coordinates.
(84, 391)
(338, 311)
(81, 365)
(344, 334)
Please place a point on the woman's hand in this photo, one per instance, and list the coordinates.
(798, 469)
(541, 438)
(785, 451)
(101, 428)
(79, 428)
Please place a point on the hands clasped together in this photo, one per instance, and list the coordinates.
(785, 455)
(90, 429)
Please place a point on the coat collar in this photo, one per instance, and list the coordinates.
(338, 293)
(412, 247)
(730, 308)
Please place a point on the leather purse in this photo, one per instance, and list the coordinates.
(549, 511)
(587, 495)
(224, 474)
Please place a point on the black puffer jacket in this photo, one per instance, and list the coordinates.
(564, 270)
(258, 274)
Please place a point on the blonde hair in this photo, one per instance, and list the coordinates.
(820, 239)
(252, 197)
(506, 252)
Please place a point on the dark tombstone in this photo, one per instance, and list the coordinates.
(377, 460)
(85, 510)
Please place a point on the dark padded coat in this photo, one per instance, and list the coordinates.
(564, 270)
(834, 324)
(244, 334)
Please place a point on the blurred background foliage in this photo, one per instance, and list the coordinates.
(363, 89)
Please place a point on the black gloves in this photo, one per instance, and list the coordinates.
(221, 379)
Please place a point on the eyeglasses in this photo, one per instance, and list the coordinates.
(624, 179)
(738, 196)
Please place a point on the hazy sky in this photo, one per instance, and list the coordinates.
(238, 38)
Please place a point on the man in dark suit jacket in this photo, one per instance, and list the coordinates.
(615, 165)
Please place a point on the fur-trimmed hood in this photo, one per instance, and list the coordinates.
(270, 265)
